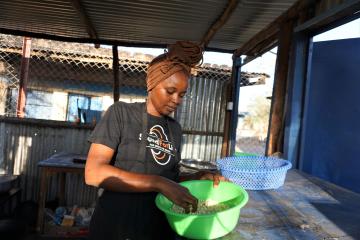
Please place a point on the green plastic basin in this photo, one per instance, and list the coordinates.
(243, 154)
(206, 226)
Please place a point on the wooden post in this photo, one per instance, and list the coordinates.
(275, 139)
(229, 115)
(235, 100)
(24, 75)
(298, 71)
(225, 145)
(61, 190)
(116, 73)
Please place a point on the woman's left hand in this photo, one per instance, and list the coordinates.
(213, 176)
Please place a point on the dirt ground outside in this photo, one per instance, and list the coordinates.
(250, 145)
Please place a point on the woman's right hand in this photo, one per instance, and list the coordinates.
(179, 195)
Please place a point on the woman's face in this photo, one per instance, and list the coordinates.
(165, 97)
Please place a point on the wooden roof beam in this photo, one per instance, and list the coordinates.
(85, 20)
(219, 22)
(344, 10)
(271, 31)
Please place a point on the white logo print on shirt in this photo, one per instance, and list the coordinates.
(160, 147)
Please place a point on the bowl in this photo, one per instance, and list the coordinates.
(197, 164)
(211, 225)
(255, 172)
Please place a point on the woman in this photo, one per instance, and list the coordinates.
(135, 153)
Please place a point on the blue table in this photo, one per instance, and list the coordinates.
(304, 208)
(61, 163)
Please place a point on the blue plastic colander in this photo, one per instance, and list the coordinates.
(254, 172)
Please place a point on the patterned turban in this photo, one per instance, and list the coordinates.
(181, 56)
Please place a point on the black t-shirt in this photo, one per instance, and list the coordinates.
(128, 215)
(121, 129)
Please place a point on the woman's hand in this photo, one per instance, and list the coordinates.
(213, 176)
(179, 195)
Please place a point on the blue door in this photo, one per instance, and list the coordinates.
(331, 132)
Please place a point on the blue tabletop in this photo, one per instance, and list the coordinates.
(63, 159)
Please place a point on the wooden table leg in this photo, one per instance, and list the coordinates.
(42, 197)
(61, 191)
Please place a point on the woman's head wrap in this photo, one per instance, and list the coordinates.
(181, 56)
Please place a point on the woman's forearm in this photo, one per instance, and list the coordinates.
(99, 173)
(115, 179)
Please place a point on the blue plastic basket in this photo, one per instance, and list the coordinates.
(254, 172)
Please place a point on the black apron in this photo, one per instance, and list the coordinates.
(131, 216)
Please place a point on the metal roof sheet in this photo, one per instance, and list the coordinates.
(249, 18)
(142, 21)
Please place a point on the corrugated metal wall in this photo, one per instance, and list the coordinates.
(24, 145)
(203, 110)
(25, 142)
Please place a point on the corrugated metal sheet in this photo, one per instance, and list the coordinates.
(250, 17)
(54, 17)
(23, 146)
(203, 109)
(143, 21)
(205, 148)
(153, 21)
